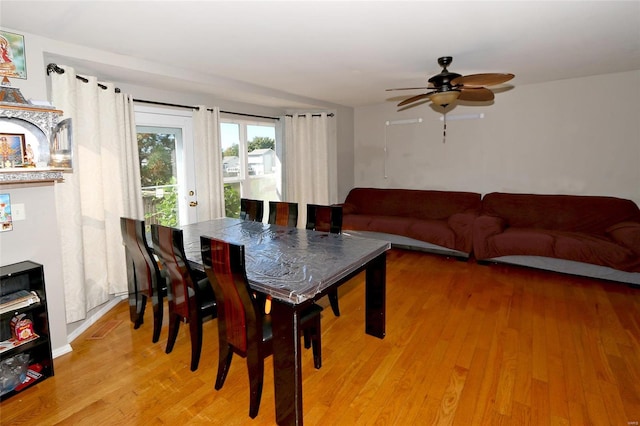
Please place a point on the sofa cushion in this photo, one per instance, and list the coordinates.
(389, 224)
(592, 249)
(523, 241)
(432, 231)
(360, 222)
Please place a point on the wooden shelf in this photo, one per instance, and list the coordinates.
(30, 175)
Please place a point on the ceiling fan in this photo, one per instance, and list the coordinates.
(447, 87)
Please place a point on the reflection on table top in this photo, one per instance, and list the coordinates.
(289, 264)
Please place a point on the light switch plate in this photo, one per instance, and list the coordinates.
(18, 212)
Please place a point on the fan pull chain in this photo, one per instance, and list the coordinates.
(444, 127)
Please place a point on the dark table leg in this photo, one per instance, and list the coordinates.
(287, 368)
(376, 284)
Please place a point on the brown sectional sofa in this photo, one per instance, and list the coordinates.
(583, 235)
(438, 221)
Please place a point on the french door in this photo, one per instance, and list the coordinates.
(165, 146)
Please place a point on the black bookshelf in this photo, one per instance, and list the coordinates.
(27, 276)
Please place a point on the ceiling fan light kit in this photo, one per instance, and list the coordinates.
(444, 98)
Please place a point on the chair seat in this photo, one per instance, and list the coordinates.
(207, 298)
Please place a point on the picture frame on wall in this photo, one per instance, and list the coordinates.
(13, 152)
(13, 58)
(6, 223)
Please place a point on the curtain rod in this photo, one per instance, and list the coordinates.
(226, 112)
(55, 68)
(143, 101)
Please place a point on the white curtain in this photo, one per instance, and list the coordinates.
(306, 161)
(208, 163)
(104, 185)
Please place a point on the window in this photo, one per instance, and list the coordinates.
(250, 165)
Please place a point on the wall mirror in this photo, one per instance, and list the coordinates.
(61, 146)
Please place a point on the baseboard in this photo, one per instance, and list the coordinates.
(61, 351)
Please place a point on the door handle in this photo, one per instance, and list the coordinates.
(193, 203)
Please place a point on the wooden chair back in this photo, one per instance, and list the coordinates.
(191, 297)
(283, 213)
(324, 218)
(143, 275)
(169, 247)
(252, 210)
(239, 316)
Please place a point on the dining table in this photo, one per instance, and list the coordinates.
(296, 267)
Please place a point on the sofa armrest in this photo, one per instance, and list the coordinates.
(348, 208)
(462, 225)
(483, 228)
(626, 234)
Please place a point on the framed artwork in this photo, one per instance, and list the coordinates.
(13, 150)
(6, 224)
(13, 60)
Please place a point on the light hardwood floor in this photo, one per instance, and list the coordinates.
(466, 344)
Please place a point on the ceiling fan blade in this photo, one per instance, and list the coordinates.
(414, 99)
(479, 80)
(477, 94)
(410, 88)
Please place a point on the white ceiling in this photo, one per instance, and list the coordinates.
(342, 52)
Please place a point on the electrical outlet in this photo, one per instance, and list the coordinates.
(18, 212)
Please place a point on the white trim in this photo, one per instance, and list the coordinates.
(61, 351)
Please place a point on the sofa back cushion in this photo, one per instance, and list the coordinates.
(421, 204)
(575, 213)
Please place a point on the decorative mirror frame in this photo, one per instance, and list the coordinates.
(44, 118)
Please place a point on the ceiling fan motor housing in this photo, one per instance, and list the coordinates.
(442, 81)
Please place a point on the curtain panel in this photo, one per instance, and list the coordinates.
(208, 163)
(306, 160)
(104, 185)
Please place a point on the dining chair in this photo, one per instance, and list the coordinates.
(326, 219)
(283, 213)
(243, 327)
(190, 296)
(251, 210)
(144, 279)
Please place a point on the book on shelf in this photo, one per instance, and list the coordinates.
(18, 299)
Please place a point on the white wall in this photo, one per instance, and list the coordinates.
(579, 136)
(36, 238)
